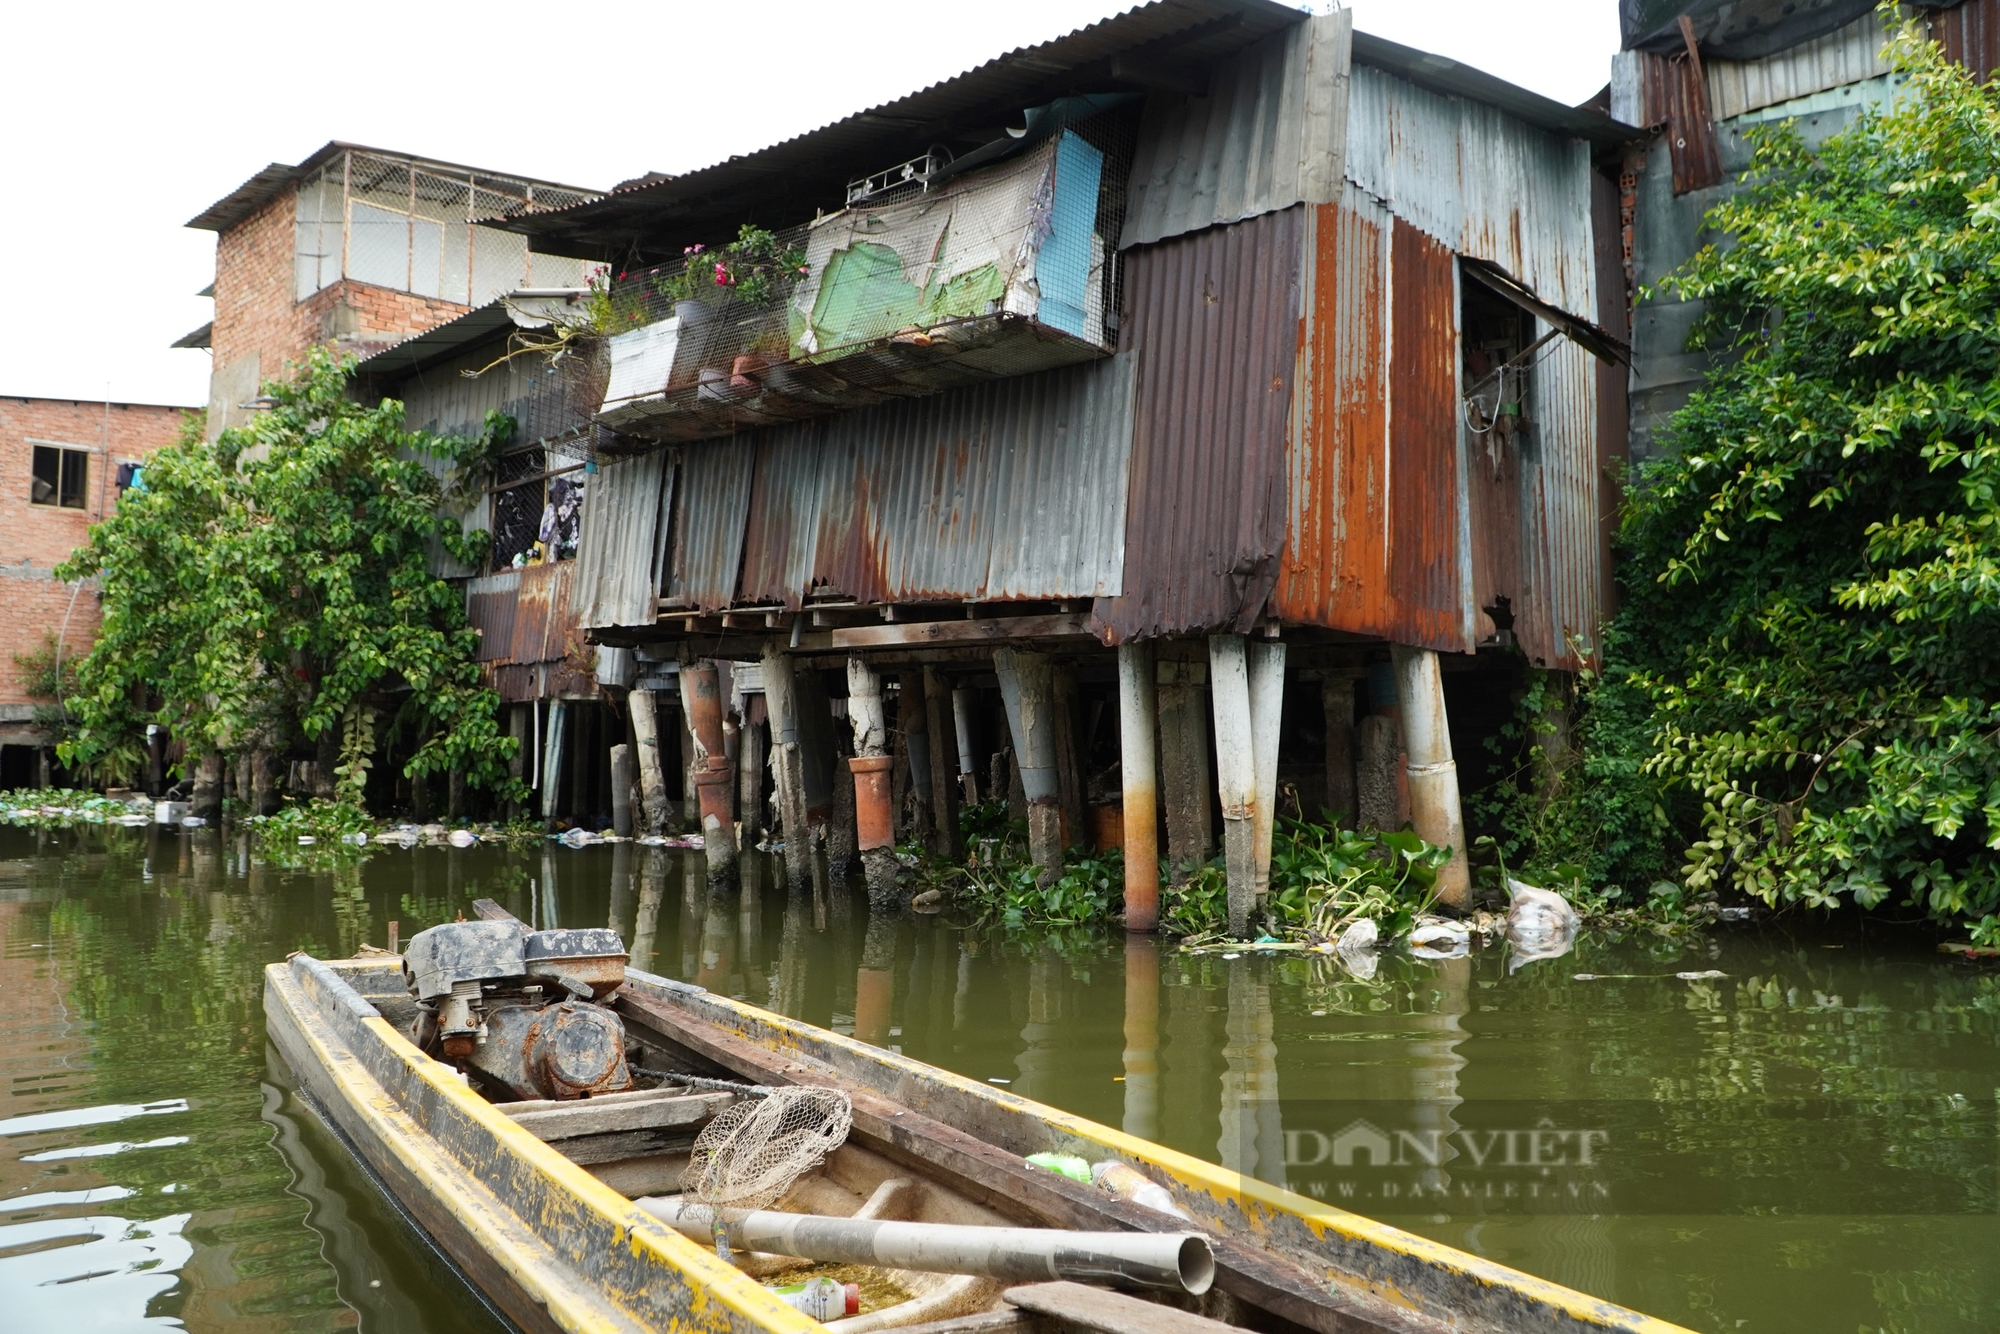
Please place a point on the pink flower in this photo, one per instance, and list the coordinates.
(694, 250)
(721, 276)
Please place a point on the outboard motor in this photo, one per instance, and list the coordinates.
(520, 1008)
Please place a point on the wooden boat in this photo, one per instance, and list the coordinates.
(534, 1200)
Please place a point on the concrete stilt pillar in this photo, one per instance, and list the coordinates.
(1266, 662)
(750, 780)
(874, 818)
(1027, 687)
(1183, 713)
(961, 717)
(946, 840)
(621, 791)
(1434, 803)
(713, 778)
(781, 702)
(1235, 772)
(652, 772)
(1336, 697)
(1139, 798)
(1378, 755)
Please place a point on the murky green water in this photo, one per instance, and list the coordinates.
(1804, 1143)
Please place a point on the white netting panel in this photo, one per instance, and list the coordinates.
(752, 1153)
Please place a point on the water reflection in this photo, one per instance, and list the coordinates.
(149, 1153)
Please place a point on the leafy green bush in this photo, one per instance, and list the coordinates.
(1812, 617)
(274, 583)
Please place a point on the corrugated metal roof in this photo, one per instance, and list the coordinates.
(790, 181)
(1270, 131)
(1477, 179)
(618, 549)
(252, 195)
(1213, 322)
(1442, 75)
(1847, 56)
(1012, 489)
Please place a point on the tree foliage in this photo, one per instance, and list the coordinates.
(1813, 614)
(276, 583)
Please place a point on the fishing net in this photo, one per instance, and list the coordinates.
(753, 1151)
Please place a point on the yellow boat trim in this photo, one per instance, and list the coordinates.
(514, 1242)
(1205, 1178)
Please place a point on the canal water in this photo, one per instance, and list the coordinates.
(1755, 1131)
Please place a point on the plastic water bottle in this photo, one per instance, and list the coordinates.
(821, 1298)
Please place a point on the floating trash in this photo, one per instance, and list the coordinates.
(192, 822)
(306, 840)
(461, 838)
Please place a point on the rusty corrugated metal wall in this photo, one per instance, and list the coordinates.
(1527, 524)
(1011, 489)
(527, 631)
(1376, 538)
(1970, 35)
(1212, 319)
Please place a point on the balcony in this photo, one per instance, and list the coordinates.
(928, 281)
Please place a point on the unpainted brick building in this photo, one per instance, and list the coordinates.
(358, 249)
(63, 465)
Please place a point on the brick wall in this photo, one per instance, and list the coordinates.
(34, 539)
(259, 328)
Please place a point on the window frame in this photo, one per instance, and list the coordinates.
(72, 464)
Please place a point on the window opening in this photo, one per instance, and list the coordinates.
(61, 477)
(1499, 348)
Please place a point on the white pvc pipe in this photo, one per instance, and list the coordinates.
(1176, 1261)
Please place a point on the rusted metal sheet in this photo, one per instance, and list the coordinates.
(618, 548)
(1428, 562)
(1674, 94)
(1970, 35)
(1334, 571)
(1012, 489)
(1268, 132)
(489, 608)
(529, 638)
(1212, 319)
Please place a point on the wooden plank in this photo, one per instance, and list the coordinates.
(1107, 1312)
(623, 1145)
(489, 911)
(597, 1116)
(1007, 1184)
(996, 629)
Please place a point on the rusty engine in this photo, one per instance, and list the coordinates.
(520, 1011)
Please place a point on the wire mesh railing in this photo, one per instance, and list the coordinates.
(415, 227)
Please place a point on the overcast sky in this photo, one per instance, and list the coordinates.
(129, 119)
